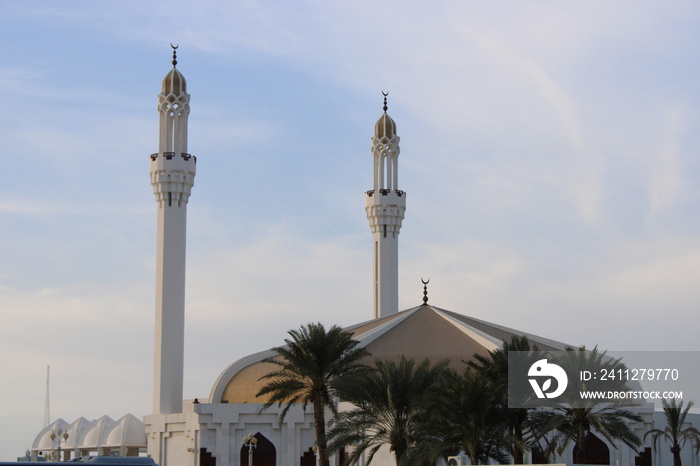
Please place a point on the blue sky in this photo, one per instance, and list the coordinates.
(549, 151)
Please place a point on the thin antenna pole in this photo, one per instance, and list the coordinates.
(47, 407)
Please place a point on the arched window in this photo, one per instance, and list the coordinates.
(264, 453)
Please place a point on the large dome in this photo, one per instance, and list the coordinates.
(421, 332)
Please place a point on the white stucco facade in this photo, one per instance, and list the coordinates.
(218, 430)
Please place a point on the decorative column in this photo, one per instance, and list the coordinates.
(385, 205)
(172, 172)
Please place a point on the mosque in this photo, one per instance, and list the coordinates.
(212, 431)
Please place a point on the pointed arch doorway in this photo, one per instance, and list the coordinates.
(594, 451)
(264, 453)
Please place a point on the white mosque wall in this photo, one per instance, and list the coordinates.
(219, 428)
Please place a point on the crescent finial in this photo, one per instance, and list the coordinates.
(425, 290)
(174, 53)
(385, 106)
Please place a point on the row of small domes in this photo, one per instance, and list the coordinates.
(128, 431)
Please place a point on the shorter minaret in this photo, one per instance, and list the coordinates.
(172, 173)
(385, 205)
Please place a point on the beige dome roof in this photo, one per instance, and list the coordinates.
(385, 127)
(421, 332)
(174, 83)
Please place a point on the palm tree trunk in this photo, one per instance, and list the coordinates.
(517, 447)
(399, 452)
(676, 450)
(320, 425)
(473, 456)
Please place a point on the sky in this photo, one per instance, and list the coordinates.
(549, 152)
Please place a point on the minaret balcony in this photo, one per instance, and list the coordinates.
(171, 155)
(386, 192)
(172, 161)
(386, 197)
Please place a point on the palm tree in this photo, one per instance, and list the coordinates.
(389, 409)
(495, 369)
(471, 419)
(310, 365)
(674, 432)
(575, 422)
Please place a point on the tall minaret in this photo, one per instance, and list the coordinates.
(172, 173)
(385, 205)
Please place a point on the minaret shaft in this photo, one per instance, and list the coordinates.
(172, 172)
(385, 212)
(385, 206)
(170, 310)
(386, 286)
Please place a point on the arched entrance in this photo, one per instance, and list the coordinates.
(594, 451)
(264, 453)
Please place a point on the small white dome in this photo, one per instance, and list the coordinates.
(98, 434)
(77, 432)
(129, 432)
(43, 442)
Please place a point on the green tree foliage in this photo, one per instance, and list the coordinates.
(494, 369)
(470, 418)
(674, 433)
(425, 412)
(310, 365)
(390, 408)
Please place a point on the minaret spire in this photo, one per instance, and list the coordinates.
(174, 54)
(172, 171)
(385, 205)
